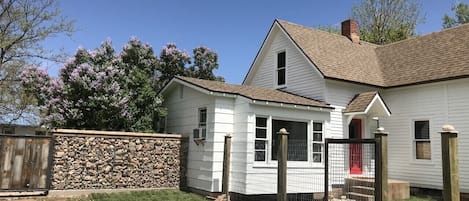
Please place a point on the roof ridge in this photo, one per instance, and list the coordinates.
(425, 35)
(326, 32)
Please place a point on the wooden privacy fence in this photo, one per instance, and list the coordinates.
(25, 162)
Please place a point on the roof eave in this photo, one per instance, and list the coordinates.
(291, 105)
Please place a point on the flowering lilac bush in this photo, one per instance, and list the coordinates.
(87, 93)
(99, 89)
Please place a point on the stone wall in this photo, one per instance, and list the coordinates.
(108, 160)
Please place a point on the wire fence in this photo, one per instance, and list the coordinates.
(305, 175)
(351, 169)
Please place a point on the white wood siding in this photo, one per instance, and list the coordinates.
(182, 119)
(440, 103)
(223, 123)
(301, 77)
(339, 95)
(239, 145)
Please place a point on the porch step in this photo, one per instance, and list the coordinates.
(360, 197)
(359, 181)
(363, 190)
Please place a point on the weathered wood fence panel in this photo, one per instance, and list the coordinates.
(25, 162)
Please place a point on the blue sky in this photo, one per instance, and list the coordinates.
(234, 29)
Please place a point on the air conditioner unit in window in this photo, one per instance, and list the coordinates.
(199, 135)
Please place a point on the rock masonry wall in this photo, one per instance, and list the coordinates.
(109, 160)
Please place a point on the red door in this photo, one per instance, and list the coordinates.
(355, 152)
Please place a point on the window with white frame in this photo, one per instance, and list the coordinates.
(203, 122)
(303, 146)
(422, 141)
(318, 144)
(281, 69)
(261, 143)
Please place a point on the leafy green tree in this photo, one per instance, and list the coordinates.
(24, 25)
(141, 67)
(172, 62)
(461, 12)
(205, 62)
(386, 21)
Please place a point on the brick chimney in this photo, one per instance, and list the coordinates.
(350, 29)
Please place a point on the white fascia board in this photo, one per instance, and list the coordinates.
(290, 106)
(380, 101)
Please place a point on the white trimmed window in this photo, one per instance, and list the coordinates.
(281, 69)
(203, 122)
(422, 141)
(305, 140)
(261, 142)
(318, 143)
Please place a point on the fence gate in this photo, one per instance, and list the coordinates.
(25, 163)
(352, 169)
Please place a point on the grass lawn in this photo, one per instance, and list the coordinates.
(160, 195)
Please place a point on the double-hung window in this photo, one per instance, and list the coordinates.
(317, 141)
(203, 122)
(281, 69)
(261, 143)
(422, 140)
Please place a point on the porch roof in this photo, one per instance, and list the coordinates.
(369, 103)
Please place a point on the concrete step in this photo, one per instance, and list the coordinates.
(363, 190)
(360, 181)
(360, 197)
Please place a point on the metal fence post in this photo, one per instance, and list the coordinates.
(226, 167)
(326, 169)
(282, 165)
(449, 159)
(381, 189)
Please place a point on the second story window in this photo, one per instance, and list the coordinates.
(281, 69)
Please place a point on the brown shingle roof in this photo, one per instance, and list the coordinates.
(360, 102)
(437, 56)
(335, 55)
(254, 93)
(431, 57)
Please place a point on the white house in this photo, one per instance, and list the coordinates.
(323, 85)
